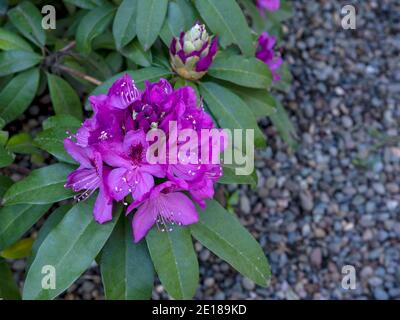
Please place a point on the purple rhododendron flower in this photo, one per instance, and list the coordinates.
(193, 52)
(269, 5)
(112, 150)
(266, 53)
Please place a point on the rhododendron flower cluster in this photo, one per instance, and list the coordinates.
(112, 147)
(267, 54)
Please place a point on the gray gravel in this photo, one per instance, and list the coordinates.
(336, 201)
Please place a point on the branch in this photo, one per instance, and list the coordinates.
(67, 47)
(79, 74)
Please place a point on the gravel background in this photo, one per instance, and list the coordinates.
(336, 201)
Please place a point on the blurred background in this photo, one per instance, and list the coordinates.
(336, 200)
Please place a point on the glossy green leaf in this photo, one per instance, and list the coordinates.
(258, 22)
(42, 186)
(222, 233)
(52, 141)
(231, 177)
(87, 4)
(3, 137)
(5, 183)
(115, 61)
(70, 248)
(174, 23)
(189, 13)
(13, 61)
(8, 288)
(94, 23)
(9, 40)
(6, 157)
(54, 219)
(139, 76)
(135, 276)
(247, 72)
(21, 143)
(284, 84)
(16, 220)
(260, 102)
(284, 125)
(225, 18)
(175, 261)
(13, 100)
(149, 20)
(64, 121)
(28, 20)
(135, 52)
(19, 250)
(229, 110)
(64, 98)
(124, 26)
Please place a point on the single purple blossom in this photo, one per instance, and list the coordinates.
(266, 53)
(90, 176)
(164, 206)
(132, 173)
(193, 52)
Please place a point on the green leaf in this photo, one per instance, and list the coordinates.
(19, 250)
(6, 157)
(149, 20)
(114, 60)
(230, 177)
(222, 233)
(174, 24)
(225, 18)
(135, 276)
(51, 222)
(64, 121)
(12, 41)
(28, 20)
(175, 261)
(189, 13)
(94, 23)
(87, 4)
(8, 288)
(229, 110)
(258, 22)
(18, 219)
(3, 137)
(135, 52)
(21, 143)
(260, 102)
(139, 76)
(5, 183)
(285, 12)
(42, 186)
(13, 100)
(64, 98)
(13, 61)
(247, 72)
(124, 26)
(284, 84)
(284, 125)
(52, 141)
(70, 248)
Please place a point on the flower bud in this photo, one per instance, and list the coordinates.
(193, 52)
